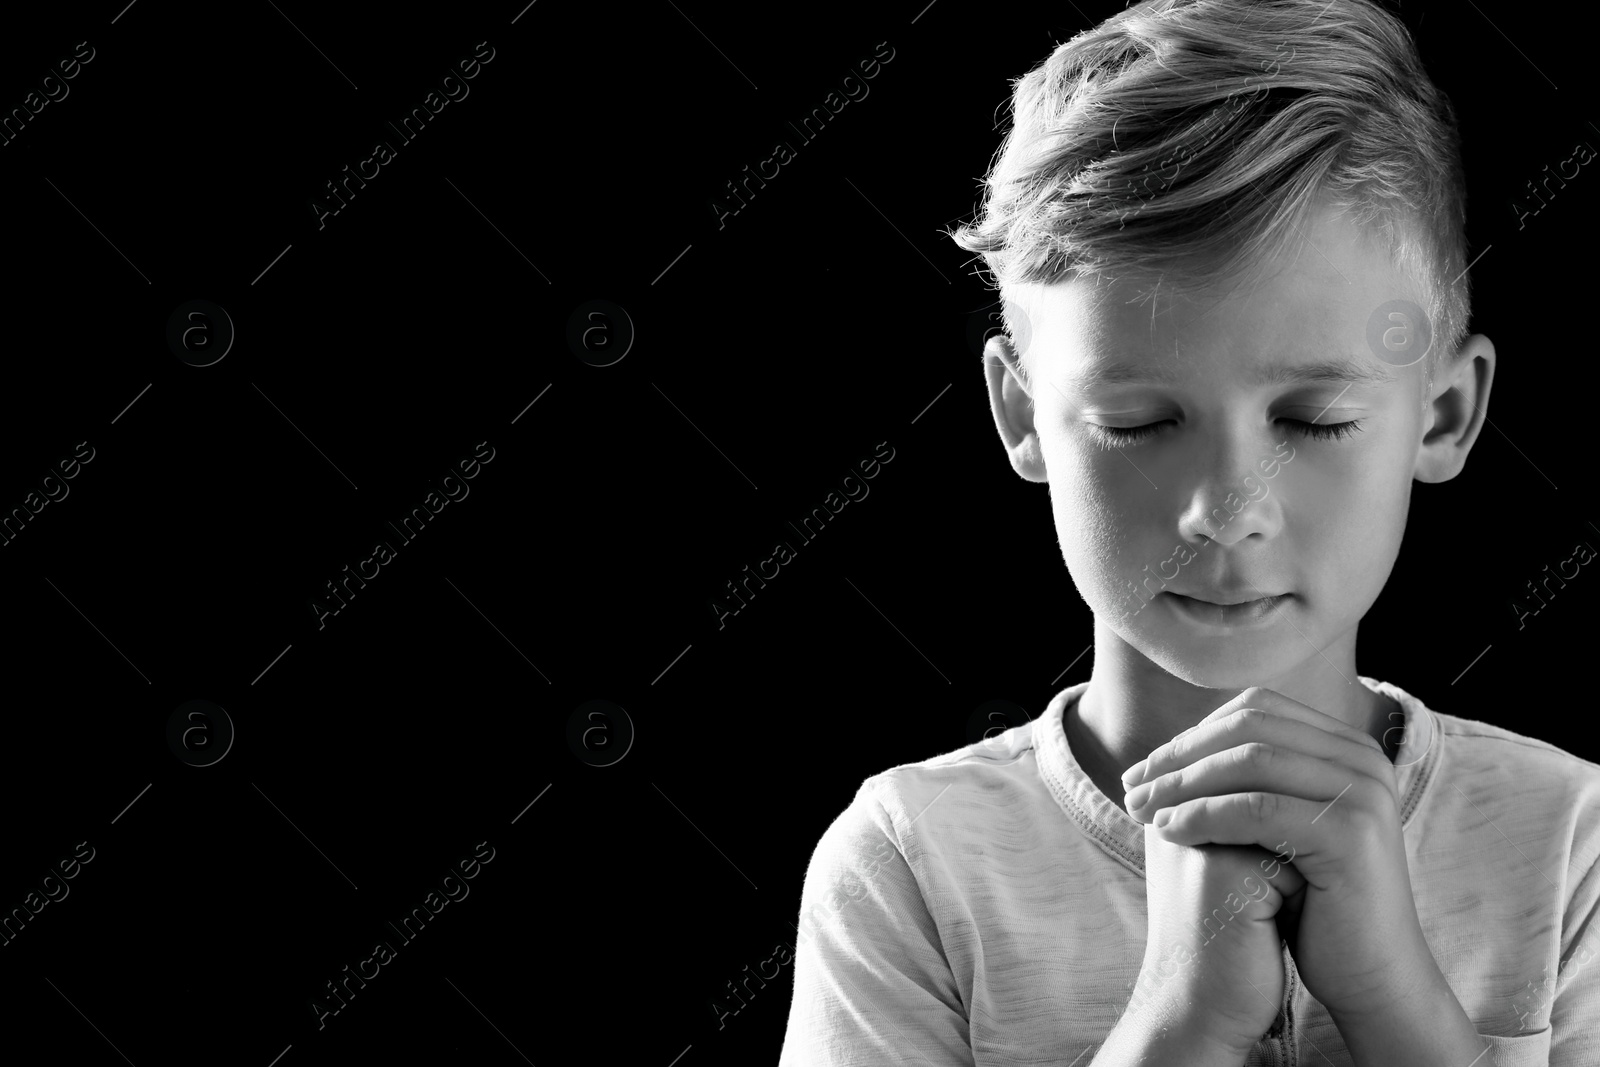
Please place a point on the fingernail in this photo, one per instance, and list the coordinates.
(1163, 816)
(1134, 775)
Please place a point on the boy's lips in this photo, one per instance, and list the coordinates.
(1247, 613)
(1229, 597)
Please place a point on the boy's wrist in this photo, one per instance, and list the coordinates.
(1428, 1027)
(1146, 1038)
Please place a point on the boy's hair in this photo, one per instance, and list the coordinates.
(1194, 136)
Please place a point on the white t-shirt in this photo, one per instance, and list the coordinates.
(986, 907)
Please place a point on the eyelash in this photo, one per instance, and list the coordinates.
(1110, 437)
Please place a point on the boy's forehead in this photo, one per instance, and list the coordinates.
(1319, 293)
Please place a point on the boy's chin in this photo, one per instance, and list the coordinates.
(1252, 661)
(1208, 676)
(1215, 659)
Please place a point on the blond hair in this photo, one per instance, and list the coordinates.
(1189, 139)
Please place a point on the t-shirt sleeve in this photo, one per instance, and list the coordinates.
(1575, 1014)
(871, 982)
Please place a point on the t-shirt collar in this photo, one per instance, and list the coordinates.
(1123, 836)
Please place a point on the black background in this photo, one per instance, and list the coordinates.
(771, 354)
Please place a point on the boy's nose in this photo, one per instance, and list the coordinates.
(1227, 514)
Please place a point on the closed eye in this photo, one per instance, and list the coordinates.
(1111, 437)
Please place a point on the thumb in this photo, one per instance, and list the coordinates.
(1291, 884)
(1295, 901)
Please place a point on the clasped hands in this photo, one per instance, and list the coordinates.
(1267, 770)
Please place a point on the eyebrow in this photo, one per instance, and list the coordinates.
(1337, 372)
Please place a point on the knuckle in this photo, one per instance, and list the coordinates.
(1261, 805)
(1256, 753)
(1168, 784)
(1246, 719)
(1254, 694)
(1373, 744)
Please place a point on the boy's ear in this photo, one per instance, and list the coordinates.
(1457, 405)
(1013, 408)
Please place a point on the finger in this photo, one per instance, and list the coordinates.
(1273, 866)
(1273, 701)
(1254, 765)
(1302, 831)
(1238, 722)
(1292, 885)
(1253, 726)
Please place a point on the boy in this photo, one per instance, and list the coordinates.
(1230, 238)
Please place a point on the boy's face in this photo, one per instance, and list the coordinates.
(1231, 499)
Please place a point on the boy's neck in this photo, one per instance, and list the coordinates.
(1133, 706)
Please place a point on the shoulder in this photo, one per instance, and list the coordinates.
(1482, 745)
(1545, 785)
(963, 792)
(1524, 786)
(1470, 746)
